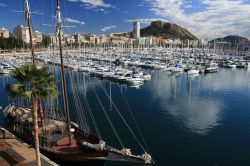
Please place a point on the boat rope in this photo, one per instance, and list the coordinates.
(125, 122)
(92, 118)
(82, 92)
(78, 104)
(136, 124)
(108, 118)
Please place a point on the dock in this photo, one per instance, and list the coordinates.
(14, 151)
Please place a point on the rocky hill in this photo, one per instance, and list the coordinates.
(232, 40)
(162, 29)
(167, 30)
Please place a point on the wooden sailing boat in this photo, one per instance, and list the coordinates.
(69, 142)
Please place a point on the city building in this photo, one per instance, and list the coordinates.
(203, 42)
(80, 38)
(92, 39)
(136, 30)
(69, 39)
(37, 37)
(4, 33)
(105, 39)
(21, 32)
(117, 40)
(53, 40)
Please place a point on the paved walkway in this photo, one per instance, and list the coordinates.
(15, 152)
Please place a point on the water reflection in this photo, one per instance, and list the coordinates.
(199, 116)
(180, 97)
(228, 79)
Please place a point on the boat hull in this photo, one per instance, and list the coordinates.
(84, 146)
(211, 70)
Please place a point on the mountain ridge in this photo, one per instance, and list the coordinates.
(167, 30)
(162, 29)
(232, 40)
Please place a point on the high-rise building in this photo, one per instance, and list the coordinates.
(4, 33)
(136, 32)
(21, 32)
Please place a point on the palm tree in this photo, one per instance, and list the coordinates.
(32, 82)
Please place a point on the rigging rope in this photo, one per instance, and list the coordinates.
(106, 115)
(83, 93)
(78, 104)
(119, 113)
(137, 126)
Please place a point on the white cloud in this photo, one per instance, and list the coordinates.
(218, 17)
(104, 29)
(3, 5)
(93, 3)
(186, 106)
(70, 20)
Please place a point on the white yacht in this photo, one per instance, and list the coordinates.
(135, 81)
(176, 70)
(192, 71)
(211, 68)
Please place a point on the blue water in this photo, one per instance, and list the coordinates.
(203, 120)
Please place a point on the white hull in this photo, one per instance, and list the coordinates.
(176, 70)
(193, 71)
(4, 71)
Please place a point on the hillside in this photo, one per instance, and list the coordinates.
(167, 30)
(232, 40)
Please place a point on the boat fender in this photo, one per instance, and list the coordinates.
(102, 145)
(72, 130)
(74, 124)
(126, 152)
(147, 158)
(93, 146)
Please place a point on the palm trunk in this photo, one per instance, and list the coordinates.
(34, 110)
(41, 111)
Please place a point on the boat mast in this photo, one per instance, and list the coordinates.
(35, 121)
(59, 33)
(27, 17)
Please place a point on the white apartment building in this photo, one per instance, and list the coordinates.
(136, 30)
(4, 33)
(37, 37)
(22, 32)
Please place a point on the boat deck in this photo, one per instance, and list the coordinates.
(64, 147)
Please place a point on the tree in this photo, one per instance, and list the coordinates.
(46, 41)
(11, 42)
(32, 82)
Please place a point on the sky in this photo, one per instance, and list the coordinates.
(207, 19)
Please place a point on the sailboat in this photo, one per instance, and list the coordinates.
(63, 140)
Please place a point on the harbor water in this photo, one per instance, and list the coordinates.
(185, 120)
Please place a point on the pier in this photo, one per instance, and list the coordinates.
(14, 151)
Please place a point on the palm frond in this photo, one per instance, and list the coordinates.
(28, 94)
(32, 82)
(15, 90)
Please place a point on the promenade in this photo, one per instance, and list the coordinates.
(13, 151)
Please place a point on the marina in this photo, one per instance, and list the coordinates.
(175, 105)
(157, 95)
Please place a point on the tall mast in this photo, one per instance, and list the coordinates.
(59, 33)
(35, 121)
(27, 17)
